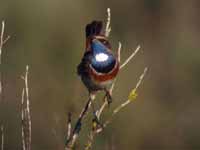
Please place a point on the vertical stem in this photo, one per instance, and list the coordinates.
(108, 28)
(1, 96)
(23, 121)
(25, 114)
(1, 46)
(2, 42)
(28, 107)
(1, 38)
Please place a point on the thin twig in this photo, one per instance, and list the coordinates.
(130, 57)
(28, 105)
(141, 78)
(122, 66)
(23, 120)
(25, 114)
(69, 125)
(1, 38)
(1, 47)
(69, 145)
(99, 129)
(134, 91)
(99, 112)
(108, 28)
(6, 39)
(119, 52)
(2, 42)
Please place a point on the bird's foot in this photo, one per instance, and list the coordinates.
(108, 97)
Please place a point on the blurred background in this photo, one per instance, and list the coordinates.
(49, 36)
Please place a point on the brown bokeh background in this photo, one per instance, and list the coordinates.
(49, 36)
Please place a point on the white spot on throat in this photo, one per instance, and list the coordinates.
(101, 57)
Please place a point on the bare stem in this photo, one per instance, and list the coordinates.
(99, 112)
(130, 57)
(122, 66)
(69, 145)
(23, 120)
(1, 47)
(25, 114)
(120, 107)
(1, 38)
(115, 111)
(119, 52)
(108, 28)
(2, 42)
(69, 125)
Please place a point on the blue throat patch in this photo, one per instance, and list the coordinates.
(102, 61)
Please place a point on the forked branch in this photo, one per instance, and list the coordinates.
(72, 136)
(2, 42)
(132, 96)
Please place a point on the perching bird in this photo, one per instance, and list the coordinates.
(99, 66)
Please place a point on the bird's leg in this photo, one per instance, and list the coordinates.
(95, 119)
(108, 96)
(92, 97)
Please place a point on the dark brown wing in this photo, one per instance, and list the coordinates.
(82, 68)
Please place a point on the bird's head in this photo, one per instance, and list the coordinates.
(94, 34)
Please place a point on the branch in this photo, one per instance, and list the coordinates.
(119, 52)
(2, 42)
(108, 28)
(132, 95)
(69, 125)
(25, 114)
(99, 112)
(23, 120)
(99, 128)
(130, 57)
(69, 145)
(1, 48)
(1, 38)
(122, 66)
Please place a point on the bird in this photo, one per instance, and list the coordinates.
(99, 66)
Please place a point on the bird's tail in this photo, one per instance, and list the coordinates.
(94, 28)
